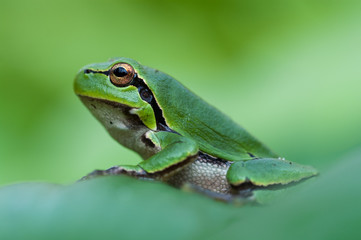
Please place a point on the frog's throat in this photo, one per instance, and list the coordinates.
(123, 108)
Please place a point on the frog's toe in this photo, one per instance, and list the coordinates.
(93, 174)
(129, 170)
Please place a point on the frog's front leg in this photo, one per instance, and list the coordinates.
(175, 152)
(134, 171)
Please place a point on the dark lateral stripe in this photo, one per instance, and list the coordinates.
(158, 113)
(86, 71)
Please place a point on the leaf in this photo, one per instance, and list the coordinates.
(118, 207)
(106, 207)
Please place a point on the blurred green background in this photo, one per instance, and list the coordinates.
(287, 71)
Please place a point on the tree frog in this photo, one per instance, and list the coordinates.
(182, 140)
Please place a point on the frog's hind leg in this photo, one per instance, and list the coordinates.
(264, 172)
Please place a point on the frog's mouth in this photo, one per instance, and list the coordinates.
(108, 102)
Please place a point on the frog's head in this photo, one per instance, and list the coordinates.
(116, 88)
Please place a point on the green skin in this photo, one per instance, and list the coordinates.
(177, 128)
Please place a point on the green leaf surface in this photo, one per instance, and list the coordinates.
(117, 207)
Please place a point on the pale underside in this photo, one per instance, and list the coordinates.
(205, 172)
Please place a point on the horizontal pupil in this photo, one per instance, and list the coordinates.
(120, 72)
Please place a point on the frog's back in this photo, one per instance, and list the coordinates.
(187, 114)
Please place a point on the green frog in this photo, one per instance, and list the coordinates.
(181, 139)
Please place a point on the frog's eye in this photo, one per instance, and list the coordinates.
(121, 74)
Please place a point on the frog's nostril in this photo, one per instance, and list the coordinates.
(86, 71)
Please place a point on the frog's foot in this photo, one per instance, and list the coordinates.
(93, 174)
(133, 171)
